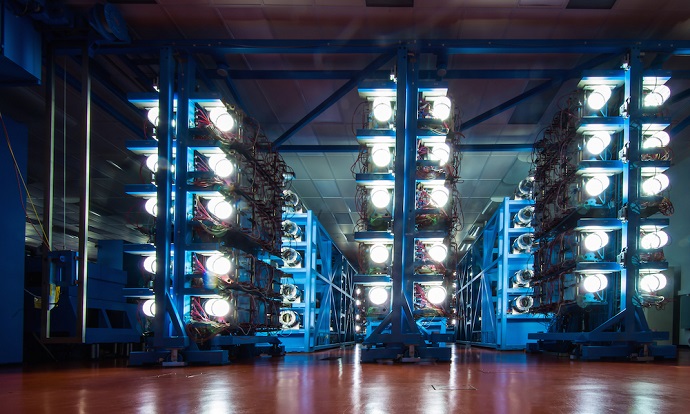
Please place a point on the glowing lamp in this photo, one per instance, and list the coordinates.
(378, 253)
(595, 283)
(378, 295)
(219, 207)
(655, 185)
(597, 143)
(149, 308)
(439, 196)
(382, 109)
(657, 96)
(153, 115)
(381, 156)
(653, 282)
(220, 165)
(221, 119)
(441, 108)
(595, 241)
(150, 264)
(597, 184)
(436, 295)
(441, 153)
(217, 307)
(380, 197)
(151, 206)
(657, 140)
(218, 264)
(654, 240)
(598, 97)
(438, 252)
(152, 162)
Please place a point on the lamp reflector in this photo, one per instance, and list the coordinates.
(654, 240)
(382, 109)
(219, 207)
(439, 196)
(657, 140)
(149, 308)
(597, 184)
(597, 143)
(438, 252)
(657, 96)
(150, 264)
(378, 253)
(221, 119)
(288, 318)
(436, 295)
(381, 156)
(441, 108)
(441, 153)
(378, 295)
(153, 115)
(595, 241)
(595, 282)
(152, 162)
(151, 206)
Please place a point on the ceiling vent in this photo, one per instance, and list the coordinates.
(591, 4)
(390, 3)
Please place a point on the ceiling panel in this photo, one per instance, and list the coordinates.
(336, 205)
(340, 164)
(497, 167)
(346, 188)
(305, 188)
(317, 166)
(485, 188)
(314, 204)
(327, 188)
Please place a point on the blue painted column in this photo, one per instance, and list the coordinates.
(12, 222)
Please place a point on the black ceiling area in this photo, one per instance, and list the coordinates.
(294, 66)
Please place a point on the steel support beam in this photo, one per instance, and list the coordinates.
(339, 93)
(355, 148)
(48, 187)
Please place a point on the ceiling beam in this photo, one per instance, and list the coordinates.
(552, 83)
(355, 148)
(382, 74)
(335, 96)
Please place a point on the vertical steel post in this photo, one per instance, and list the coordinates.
(48, 187)
(83, 276)
(164, 197)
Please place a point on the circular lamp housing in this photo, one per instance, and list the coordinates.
(150, 264)
(522, 303)
(291, 229)
(221, 119)
(218, 264)
(655, 185)
(217, 307)
(438, 252)
(524, 216)
(382, 109)
(290, 292)
(440, 152)
(654, 240)
(595, 283)
(149, 308)
(657, 96)
(290, 198)
(598, 97)
(380, 197)
(441, 108)
(657, 140)
(219, 207)
(290, 256)
(436, 295)
(525, 188)
(288, 319)
(439, 196)
(597, 184)
(378, 295)
(595, 241)
(653, 282)
(381, 155)
(220, 165)
(151, 206)
(153, 115)
(597, 143)
(152, 162)
(524, 276)
(523, 243)
(378, 253)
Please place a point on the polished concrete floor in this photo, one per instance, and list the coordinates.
(476, 381)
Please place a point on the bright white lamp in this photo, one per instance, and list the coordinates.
(220, 165)
(595, 282)
(381, 155)
(218, 264)
(151, 206)
(383, 111)
(436, 295)
(657, 96)
(153, 115)
(597, 184)
(221, 119)
(150, 264)
(378, 295)
(378, 253)
(598, 97)
(219, 207)
(595, 241)
(438, 252)
(149, 308)
(380, 197)
(441, 108)
(441, 153)
(152, 162)
(657, 140)
(654, 240)
(217, 307)
(653, 282)
(597, 143)
(439, 196)
(655, 185)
